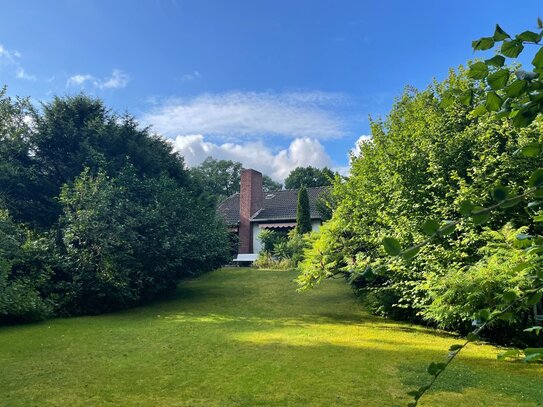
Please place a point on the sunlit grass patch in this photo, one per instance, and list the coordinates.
(242, 337)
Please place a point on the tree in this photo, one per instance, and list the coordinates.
(309, 177)
(221, 178)
(101, 214)
(43, 151)
(269, 184)
(303, 216)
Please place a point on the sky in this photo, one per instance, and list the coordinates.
(273, 84)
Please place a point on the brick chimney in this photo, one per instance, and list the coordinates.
(251, 198)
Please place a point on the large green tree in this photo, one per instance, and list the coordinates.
(309, 177)
(46, 149)
(96, 213)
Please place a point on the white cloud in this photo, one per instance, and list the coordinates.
(251, 114)
(190, 76)
(301, 152)
(79, 79)
(22, 74)
(10, 59)
(118, 79)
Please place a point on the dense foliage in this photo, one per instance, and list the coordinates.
(423, 161)
(309, 177)
(97, 213)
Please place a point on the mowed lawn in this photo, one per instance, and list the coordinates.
(242, 337)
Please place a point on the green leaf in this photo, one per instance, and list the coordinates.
(509, 203)
(499, 34)
(533, 356)
(392, 246)
(466, 207)
(538, 59)
(529, 36)
(480, 215)
(509, 296)
(511, 49)
(498, 80)
(499, 193)
(536, 179)
(537, 329)
(466, 97)
(539, 22)
(523, 118)
(538, 218)
(516, 89)
(479, 111)
(430, 227)
(478, 70)
(410, 253)
(455, 347)
(446, 101)
(505, 316)
(534, 298)
(502, 114)
(531, 149)
(493, 102)
(435, 368)
(472, 337)
(511, 353)
(447, 228)
(483, 315)
(496, 60)
(482, 44)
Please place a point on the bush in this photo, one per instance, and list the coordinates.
(423, 160)
(268, 262)
(270, 238)
(460, 293)
(127, 239)
(23, 275)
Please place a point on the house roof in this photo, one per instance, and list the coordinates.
(277, 205)
(229, 209)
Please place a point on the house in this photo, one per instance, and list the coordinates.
(252, 210)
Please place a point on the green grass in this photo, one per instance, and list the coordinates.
(242, 337)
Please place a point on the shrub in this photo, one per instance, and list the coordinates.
(463, 291)
(23, 275)
(127, 239)
(270, 238)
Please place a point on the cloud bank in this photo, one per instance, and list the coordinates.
(251, 115)
(300, 153)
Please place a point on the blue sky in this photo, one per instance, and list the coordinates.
(274, 84)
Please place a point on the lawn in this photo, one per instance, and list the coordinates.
(242, 337)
